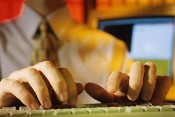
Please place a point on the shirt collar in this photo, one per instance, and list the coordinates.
(30, 19)
(28, 22)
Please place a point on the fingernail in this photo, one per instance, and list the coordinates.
(47, 103)
(132, 95)
(111, 89)
(64, 96)
(34, 105)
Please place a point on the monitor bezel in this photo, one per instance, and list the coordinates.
(129, 12)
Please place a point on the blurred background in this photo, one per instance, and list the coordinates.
(146, 26)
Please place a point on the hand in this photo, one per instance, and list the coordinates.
(37, 85)
(141, 85)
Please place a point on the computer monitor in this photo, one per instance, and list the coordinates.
(147, 38)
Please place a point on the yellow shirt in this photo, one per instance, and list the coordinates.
(90, 54)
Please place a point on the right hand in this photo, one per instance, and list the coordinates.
(38, 85)
(140, 85)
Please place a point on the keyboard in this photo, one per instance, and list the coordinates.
(94, 110)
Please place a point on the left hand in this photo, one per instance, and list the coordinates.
(141, 84)
(42, 84)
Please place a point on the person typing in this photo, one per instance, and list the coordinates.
(90, 56)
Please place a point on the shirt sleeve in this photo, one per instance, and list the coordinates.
(93, 41)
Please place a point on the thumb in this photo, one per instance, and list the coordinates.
(80, 88)
(99, 93)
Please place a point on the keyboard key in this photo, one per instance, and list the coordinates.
(9, 109)
(111, 109)
(48, 112)
(24, 108)
(95, 110)
(150, 108)
(134, 109)
(62, 112)
(18, 113)
(122, 109)
(173, 106)
(165, 108)
(79, 111)
(36, 113)
(4, 114)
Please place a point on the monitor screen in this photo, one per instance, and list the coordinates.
(148, 39)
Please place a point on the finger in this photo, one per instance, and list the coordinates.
(99, 93)
(162, 87)
(123, 87)
(121, 94)
(33, 77)
(10, 86)
(149, 81)
(114, 81)
(80, 88)
(135, 81)
(72, 89)
(55, 78)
